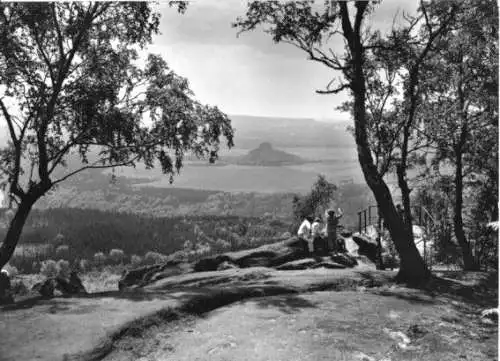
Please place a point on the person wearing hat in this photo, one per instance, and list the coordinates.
(317, 240)
(332, 222)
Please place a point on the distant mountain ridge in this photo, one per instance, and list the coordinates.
(266, 155)
(251, 131)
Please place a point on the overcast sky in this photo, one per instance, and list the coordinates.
(250, 74)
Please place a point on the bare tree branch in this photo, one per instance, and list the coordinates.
(95, 166)
(9, 123)
(334, 91)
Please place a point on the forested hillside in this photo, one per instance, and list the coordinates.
(88, 231)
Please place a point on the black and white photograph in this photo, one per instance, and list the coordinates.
(249, 180)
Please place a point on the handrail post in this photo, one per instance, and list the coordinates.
(364, 213)
(359, 222)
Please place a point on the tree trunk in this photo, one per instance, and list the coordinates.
(412, 268)
(15, 228)
(458, 225)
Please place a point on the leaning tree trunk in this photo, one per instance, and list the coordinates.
(458, 224)
(412, 266)
(14, 232)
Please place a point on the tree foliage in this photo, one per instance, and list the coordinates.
(393, 80)
(461, 116)
(71, 82)
(314, 203)
(310, 28)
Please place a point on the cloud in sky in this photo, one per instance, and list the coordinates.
(250, 74)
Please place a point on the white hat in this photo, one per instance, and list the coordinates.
(5, 272)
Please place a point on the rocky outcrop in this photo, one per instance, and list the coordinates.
(271, 255)
(312, 263)
(344, 259)
(226, 265)
(142, 276)
(291, 254)
(298, 264)
(5, 289)
(367, 246)
(71, 286)
(329, 264)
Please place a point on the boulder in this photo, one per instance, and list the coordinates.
(134, 277)
(489, 315)
(71, 286)
(46, 288)
(298, 264)
(329, 264)
(143, 275)
(226, 265)
(270, 255)
(367, 246)
(210, 263)
(345, 259)
(5, 289)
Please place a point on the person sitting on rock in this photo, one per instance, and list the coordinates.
(332, 222)
(317, 240)
(304, 233)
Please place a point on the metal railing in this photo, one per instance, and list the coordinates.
(420, 217)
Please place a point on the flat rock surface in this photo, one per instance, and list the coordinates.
(321, 326)
(52, 329)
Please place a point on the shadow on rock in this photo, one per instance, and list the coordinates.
(286, 303)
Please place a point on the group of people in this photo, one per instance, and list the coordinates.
(321, 237)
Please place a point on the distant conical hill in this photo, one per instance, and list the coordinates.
(266, 155)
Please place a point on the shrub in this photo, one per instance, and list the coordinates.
(62, 251)
(11, 270)
(180, 256)
(221, 245)
(35, 266)
(49, 268)
(135, 260)
(19, 288)
(117, 255)
(154, 257)
(286, 235)
(99, 258)
(84, 265)
(188, 245)
(63, 268)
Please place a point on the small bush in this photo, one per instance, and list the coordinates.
(35, 267)
(62, 251)
(11, 270)
(179, 256)
(84, 265)
(135, 260)
(154, 257)
(99, 258)
(49, 268)
(19, 288)
(117, 255)
(63, 268)
(286, 235)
